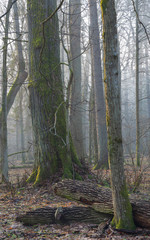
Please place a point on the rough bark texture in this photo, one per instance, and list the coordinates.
(100, 199)
(98, 86)
(122, 207)
(63, 215)
(46, 95)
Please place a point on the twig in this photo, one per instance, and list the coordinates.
(12, 154)
(55, 122)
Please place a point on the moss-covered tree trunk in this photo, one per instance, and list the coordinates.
(46, 95)
(122, 207)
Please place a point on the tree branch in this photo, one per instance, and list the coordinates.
(145, 30)
(8, 9)
(53, 13)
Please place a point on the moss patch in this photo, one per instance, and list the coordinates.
(104, 5)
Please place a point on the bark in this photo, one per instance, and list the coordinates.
(148, 96)
(85, 115)
(63, 215)
(122, 207)
(17, 138)
(75, 51)
(21, 125)
(3, 135)
(100, 199)
(137, 93)
(98, 86)
(22, 74)
(93, 143)
(46, 96)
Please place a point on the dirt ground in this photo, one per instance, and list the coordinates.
(19, 199)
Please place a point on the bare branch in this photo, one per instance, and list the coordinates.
(53, 13)
(8, 9)
(145, 30)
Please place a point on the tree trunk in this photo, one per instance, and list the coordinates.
(3, 135)
(17, 129)
(63, 215)
(137, 93)
(122, 207)
(75, 50)
(93, 141)
(46, 96)
(22, 74)
(98, 86)
(100, 199)
(21, 125)
(85, 99)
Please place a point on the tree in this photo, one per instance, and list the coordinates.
(21, 123)
(85, 104)
(98, 86)
(122, 207)
(75, 51)
(137, 93)
(21, 75)
(22, 64)
(52, 154)
(3, 136)
(93, 141)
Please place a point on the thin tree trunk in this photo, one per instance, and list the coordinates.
(85, 115)
(122, 207)
(93, 144)
(21, 76)
(98, 86)
(17, 130)
(4, 148)
(75, 50)
(21, 124)
(137, 93)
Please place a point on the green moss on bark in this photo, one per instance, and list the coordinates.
(127, 221)
(104, 5)
(32, 177)
(46, 97)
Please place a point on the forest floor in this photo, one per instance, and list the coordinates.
(19, 199)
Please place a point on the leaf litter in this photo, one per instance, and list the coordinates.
(30, 198)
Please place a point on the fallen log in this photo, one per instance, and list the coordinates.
(63, 215)
(100, 199)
